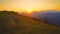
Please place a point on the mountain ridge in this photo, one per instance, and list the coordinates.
(14, 23)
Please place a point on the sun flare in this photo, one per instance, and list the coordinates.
(29, 10)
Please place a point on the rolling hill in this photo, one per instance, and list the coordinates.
(50, 17)
(14, 23)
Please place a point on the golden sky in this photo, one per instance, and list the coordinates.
(29, 5)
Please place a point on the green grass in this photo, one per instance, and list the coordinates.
(24, 25)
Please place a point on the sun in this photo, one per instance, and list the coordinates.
(29, 10)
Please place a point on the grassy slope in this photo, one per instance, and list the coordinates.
(26, 25)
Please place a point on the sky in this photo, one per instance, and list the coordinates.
(29, 5)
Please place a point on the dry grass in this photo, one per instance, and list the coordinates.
(24, 25)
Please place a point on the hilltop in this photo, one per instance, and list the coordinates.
(14, 23)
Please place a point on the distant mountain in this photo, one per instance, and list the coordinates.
(14, 23)
(49, 16)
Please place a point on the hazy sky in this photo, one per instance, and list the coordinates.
(29, 4)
